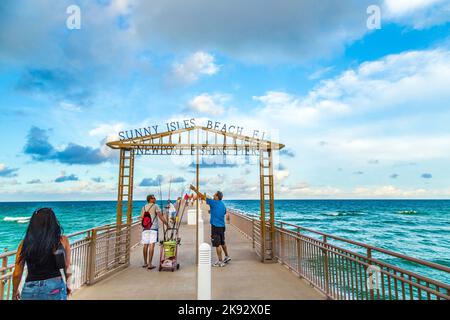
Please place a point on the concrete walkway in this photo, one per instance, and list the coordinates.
(243, 278)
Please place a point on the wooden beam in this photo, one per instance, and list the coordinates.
(197, 182)
(120, 188)
(185, 146)
(130, 188)
(271, 203)
(262, 216)
(141, 140)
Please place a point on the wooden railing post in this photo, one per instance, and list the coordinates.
(92, 256)
(2, 282)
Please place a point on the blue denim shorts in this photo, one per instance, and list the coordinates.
(50, 289)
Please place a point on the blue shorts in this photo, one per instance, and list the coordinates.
(50, 289)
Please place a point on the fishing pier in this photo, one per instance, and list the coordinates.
(301, 263)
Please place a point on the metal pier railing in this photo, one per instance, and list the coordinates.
(343, 269)
(96, 253)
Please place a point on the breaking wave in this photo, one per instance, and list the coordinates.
(343, 213)
(17, 219)
(407, 212)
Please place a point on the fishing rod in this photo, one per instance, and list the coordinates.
(160, 193)
(168, 205)
(184, 203)
(162, 208)
(179, 217)
(181, 202)
(170, 184)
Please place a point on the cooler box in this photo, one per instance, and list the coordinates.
(169, 248)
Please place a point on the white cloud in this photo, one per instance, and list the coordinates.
(193, 67)
(306, 191)
(318, 74)
(407, 78)
(121, 7)
(277, 105)
(281, 175)
(418, 13)
(416, 81)
(401, 7)
(392, 192)
(208, 104)
(398, 148)
(394, 109)
(98, 45)
(10, 182)
(254, 31)
(110, 131)
(70, 107)
(209, 182)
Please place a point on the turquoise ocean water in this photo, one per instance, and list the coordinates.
(418, 228)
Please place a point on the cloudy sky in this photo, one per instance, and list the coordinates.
(364, 113)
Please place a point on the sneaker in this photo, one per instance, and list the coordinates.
(218, 264)
(227, 259)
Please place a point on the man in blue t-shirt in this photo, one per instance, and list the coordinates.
(218, 212)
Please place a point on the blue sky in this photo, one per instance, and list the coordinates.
(363, 113)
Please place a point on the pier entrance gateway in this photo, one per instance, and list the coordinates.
(198, 141)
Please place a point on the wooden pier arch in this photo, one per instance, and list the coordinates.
(191, 141)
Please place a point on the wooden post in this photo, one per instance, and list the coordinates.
(125, 186)
(130, 188)
(271, 204)
(120, 188)
(267, 233)
(197, 208)
(197, 174)
(4, 266)
(262, 218)
(281, 254)
(92, 256)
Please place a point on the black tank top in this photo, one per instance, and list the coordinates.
(44, 270)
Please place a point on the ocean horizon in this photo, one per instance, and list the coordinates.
(252, 199)
(417, 228)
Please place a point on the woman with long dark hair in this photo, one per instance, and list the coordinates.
(45, 251)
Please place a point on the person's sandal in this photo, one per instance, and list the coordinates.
(151, 268)
(145, 266)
